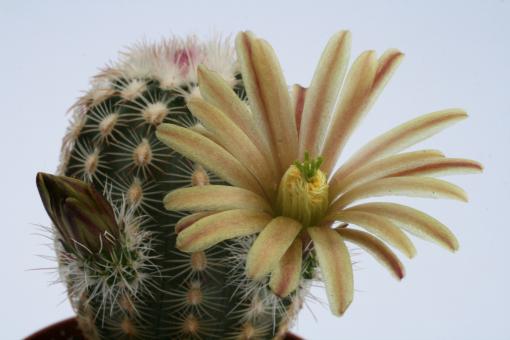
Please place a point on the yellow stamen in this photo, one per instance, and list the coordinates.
(303, 193)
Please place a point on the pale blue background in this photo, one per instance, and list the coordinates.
(457, 54)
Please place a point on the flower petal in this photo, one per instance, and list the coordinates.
(285, 278)
(336, 267)
(222, 226)
(376, 248)
(274, 95)
(380, 226)
(442, 167)
(188, 220)
(323, 93)
(202, 150)
(402, 186)
(401, 137)
(235, 141)
(270, 245)
(218, 92)
(385, 167)
(351, 107)
(298, 95)
(244, 48)
(214, 197)
(414, 221)
(200, 129)
(387, 65)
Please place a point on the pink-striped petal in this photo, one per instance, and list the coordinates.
(188, 220)
(270, 246)
(401, 137)
(402, 186)
(200, 129)
(336, 267)
(218, 92)
(323, 92)
(384, 167)
(298, 95)
(202, 150)
(387, 65)
(414, 221)
(214, 197)
(376, 248)
(245, 45)
(244, 48)
(442, 167)
(285, 278)
(380, 226)
(274, 95)
(351, 107)
(235, 141)
(222, 226)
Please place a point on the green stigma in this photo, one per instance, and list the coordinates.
(309, 167)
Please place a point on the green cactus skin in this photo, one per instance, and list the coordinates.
(150, 290)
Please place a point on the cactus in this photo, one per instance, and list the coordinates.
(220, 205)
(145, 287)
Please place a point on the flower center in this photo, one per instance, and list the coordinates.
(303, 192)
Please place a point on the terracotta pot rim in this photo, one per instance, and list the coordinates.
(58, 330)
(67, 328)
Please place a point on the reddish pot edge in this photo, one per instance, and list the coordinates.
(68, 329)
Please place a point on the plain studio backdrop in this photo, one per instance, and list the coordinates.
(457, 55)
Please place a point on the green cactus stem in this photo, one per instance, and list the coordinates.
(144, 288)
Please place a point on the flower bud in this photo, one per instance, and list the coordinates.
(82, 216)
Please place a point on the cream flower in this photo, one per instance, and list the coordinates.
(278, 154)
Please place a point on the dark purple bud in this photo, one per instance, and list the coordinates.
(83, 217)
